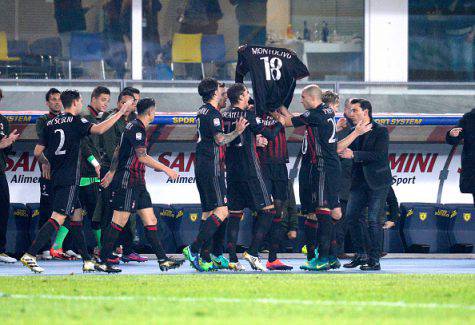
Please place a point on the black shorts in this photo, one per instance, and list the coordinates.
(212, 188)
(252, 193)
(66, 199)
(318, 188)
(131, 199)
(276, 177)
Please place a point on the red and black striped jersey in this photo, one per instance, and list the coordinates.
(130, 171)
(209, 123)
(276, 150)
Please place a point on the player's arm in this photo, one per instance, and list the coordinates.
(102, 127)
(360, 129)
(8, 141)
(148, 161)
(268, 133)
(222, 139)
(455, 135)
(45, 165)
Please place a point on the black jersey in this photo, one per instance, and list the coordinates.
(61, 136)
(273, 74)
(242, 161)
(130, 171)
(320, 141)
(276, 150)
(209, 123)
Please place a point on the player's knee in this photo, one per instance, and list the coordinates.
(59, 218)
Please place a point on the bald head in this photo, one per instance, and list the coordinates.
(313, 91)
(311, 96)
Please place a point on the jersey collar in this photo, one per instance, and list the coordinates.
(93, 112)
(140, 123)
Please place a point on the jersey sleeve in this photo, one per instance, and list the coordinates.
(83, 126)
(242, 67)
(306, 118)
(215, 124)
(137, 137)
(43, 137)
(298, 69)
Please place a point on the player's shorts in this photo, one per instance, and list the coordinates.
(212, 188)
(66, 199)
(45, 187)
(131, 199)
(251, 193)
(318, 188)
(276, 177)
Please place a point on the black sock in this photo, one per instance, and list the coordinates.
(151, 234)
(335, 246)
(310, 237)
(264, 222)
(209, 228)
(276, 236)
(232, 232)
(109, 240)
(79, 240)
(50, 227)
(95, 225)
(325, 229)
(218, 239)
(205, 252)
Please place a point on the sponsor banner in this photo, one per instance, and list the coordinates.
(179, 118)
(416, 170)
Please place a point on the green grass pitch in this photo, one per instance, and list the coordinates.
(239, 299)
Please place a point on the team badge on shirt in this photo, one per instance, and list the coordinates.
(306, 114)
(138, 136)
(216, 122)
(84, 120)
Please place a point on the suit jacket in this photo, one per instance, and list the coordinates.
(372, 155)
(467, 176)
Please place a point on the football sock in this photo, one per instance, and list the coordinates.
(264, 222)
(151, 234)
(232, 231)
(43, 236)
(209, 228)
(62, 233)
(79, 240)
(109, 240)
(310, 228)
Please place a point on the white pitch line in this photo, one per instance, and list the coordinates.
(269, 301)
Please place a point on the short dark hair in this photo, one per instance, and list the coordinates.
(51, 92)
(207, 88)
(123, 93)
(330, 97)
(99, 90)
(68, 96)
(132, 90)
(235, 91)
(144, 105)
(365, 105)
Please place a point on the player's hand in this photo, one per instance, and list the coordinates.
(127, 105)
(46, 170)
(347, 154)
(455, 132)
(336, 213)
(292, 234)
(172, 173)
(98, 170)
(341, 124)
(389, 224)
(105, 182)
(362, 128)
(261, 141)
(14, 135)
(241, 125)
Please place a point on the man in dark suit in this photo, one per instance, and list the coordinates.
(370, 182)
(465, 131)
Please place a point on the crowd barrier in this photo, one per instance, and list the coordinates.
(423, 228)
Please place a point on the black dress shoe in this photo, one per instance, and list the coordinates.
(356, 261)
(375, 266)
